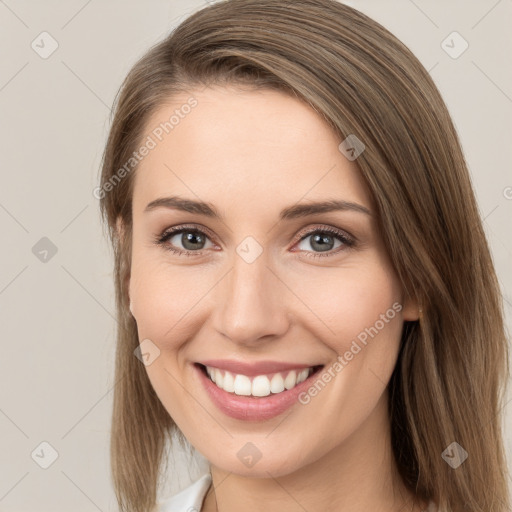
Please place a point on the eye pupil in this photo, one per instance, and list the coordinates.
(193, 238)
(322, 242)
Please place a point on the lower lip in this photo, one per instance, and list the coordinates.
(250, 408)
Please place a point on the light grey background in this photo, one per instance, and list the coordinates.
(56, 316)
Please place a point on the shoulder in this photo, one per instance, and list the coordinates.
(189, 499)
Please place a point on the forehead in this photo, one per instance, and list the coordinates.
(253, 144)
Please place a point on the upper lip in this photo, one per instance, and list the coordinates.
(254, 368)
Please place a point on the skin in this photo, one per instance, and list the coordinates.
(251, 154)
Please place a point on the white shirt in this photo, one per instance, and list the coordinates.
(191, 498)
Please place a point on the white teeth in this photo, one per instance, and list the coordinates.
(277, 383)
(260, 385)
(303, 375)
(218, 377)
(229, 383)
(291, 380)
(242, 385)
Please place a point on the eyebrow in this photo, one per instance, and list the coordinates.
(291, 212)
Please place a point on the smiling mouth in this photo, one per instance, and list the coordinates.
(259, 385)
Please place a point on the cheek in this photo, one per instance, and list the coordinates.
(362, 309)
(166, 297)
(350, 301)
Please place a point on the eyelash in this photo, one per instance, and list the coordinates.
(347, 241)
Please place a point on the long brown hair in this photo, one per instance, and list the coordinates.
(449, 382)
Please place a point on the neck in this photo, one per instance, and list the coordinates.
(359, 474)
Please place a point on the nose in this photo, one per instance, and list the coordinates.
(250, 305)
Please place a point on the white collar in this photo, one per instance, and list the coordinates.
(189, 499)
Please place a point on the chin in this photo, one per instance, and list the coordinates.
(250, 461)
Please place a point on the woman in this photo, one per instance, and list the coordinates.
(304, 289)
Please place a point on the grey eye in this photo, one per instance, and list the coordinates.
(191, 240)
(320, 242)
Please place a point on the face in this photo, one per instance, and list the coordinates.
(295, 311)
